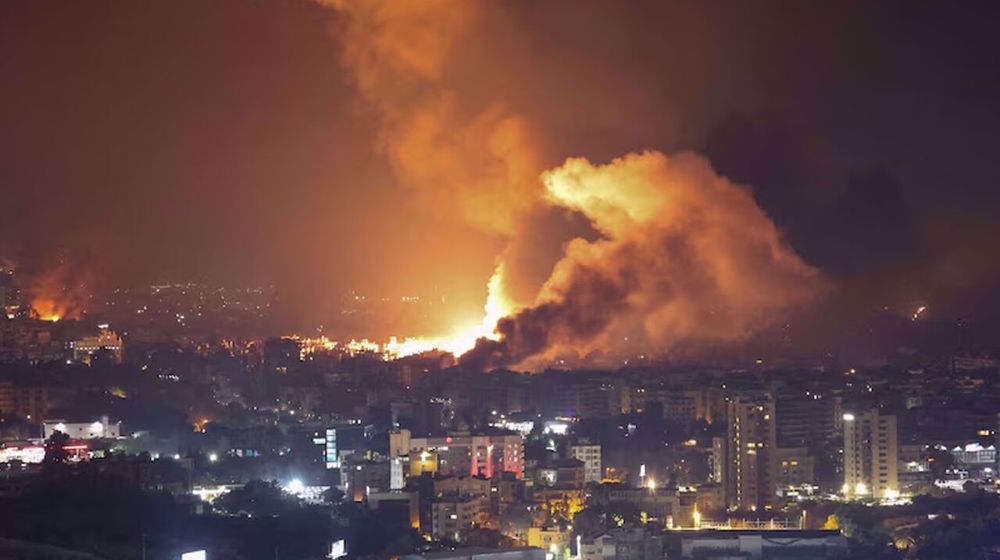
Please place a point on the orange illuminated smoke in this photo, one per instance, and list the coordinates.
(682, 254)
(58, 293)
(48, 309)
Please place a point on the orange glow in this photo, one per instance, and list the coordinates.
(48, 309)
(459, 341)
(199, 426)
(683, 254)
(462, 339)
(58, 293)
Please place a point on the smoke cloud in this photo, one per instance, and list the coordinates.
(684, 256)
(679, 253)
(478, 163)
(61, 290)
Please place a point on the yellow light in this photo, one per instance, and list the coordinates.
(462, 339)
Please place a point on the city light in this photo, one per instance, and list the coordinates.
(338, 549)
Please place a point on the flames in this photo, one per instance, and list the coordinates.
(463, 339)
(48, 309)
(58, 293)
(460, 341)
(477, 163)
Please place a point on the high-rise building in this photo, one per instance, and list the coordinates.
(579, 399)
(796, 468)
(750, 468)
(871, 455)
(806, 418)
(30, 403)
(717, 459)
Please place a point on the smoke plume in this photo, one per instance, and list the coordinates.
(59, 291)
(479, 163)
(681, 253)
(684, 256)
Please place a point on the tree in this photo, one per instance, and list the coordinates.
(259, 499)
(940, 460)
(487, 538)
(55, 449)
(333, 495)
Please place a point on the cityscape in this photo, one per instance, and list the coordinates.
(473, 280)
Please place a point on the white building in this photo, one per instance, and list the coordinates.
(107, 340)
(450, 518)
(871, 455)
(590, 454)
(974, 454)
(754, 544)
(977, 461)
(601, 547)
(96, 429)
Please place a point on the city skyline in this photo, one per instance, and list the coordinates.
(499, 280)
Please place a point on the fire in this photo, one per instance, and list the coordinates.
(59, 292)
(458, 342)
(48, 309)
(462, 339)
(682, 255)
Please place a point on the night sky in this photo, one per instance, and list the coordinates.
(225, 141)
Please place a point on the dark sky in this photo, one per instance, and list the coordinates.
(223, 140)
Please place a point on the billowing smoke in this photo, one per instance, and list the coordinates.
(59, 291)
(480, 162)
(681, 254)
(684, 255)
(475, 161)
